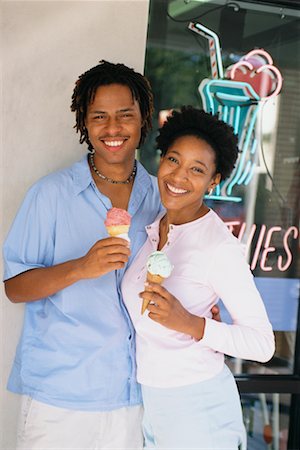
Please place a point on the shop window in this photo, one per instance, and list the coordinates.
(262, 208)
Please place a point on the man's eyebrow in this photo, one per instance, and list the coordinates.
(97, 111)
(125, 109)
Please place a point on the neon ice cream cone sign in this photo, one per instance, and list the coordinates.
(237, 96)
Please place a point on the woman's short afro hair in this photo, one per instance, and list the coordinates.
(190, 121)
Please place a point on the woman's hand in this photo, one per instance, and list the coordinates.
(165, 309)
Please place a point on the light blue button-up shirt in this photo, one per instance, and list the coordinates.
(77, 347)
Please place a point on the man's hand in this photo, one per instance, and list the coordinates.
(105, 256)
(215, 310)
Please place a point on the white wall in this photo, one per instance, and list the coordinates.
(45, 46)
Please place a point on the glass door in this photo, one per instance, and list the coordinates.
(199, 53)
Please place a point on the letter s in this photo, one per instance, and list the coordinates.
(282, 267)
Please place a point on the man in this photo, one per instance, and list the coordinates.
(75, 362)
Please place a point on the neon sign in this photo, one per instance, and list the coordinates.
(237, 97)
(265, 246)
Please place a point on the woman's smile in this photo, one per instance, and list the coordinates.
(175, 190)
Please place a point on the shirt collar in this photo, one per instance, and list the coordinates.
(141, 186)
(83, 178)
(153, 228)
(81, 175)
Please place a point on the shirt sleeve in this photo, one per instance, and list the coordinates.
(250, 336)
(30, 241)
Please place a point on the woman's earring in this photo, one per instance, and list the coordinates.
(210, 191)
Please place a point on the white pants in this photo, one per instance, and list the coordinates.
(45, 427)
(206, 415)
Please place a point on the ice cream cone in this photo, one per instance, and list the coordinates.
(159, 268)
(154, 278)
(117, 223)
(151, 278)
(117, 230)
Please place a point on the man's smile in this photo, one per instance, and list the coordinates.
(115, 144)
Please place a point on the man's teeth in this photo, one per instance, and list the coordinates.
(176, 190)
(113, 143)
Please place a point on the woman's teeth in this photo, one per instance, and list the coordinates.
(175, 190)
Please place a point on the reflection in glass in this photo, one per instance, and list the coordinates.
(266, 418)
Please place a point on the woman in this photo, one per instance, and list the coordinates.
(190, 396)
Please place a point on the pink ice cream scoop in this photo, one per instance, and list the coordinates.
(118, 222)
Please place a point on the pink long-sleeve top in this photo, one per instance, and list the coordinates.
(209, 264)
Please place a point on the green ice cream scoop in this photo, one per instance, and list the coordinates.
(159, 264)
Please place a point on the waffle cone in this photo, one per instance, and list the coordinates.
(116, 230)
(152, 278)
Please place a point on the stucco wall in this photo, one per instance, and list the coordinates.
(45, 46)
